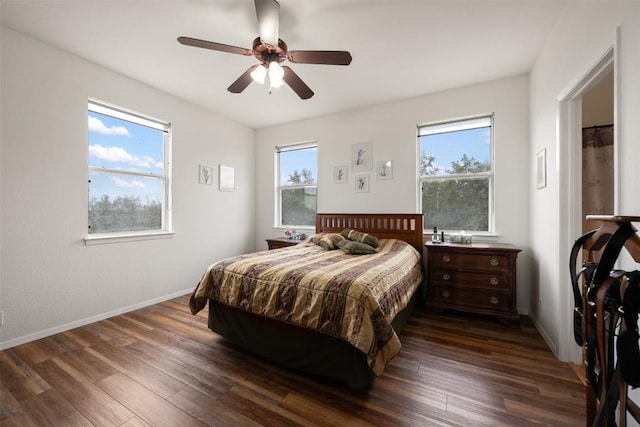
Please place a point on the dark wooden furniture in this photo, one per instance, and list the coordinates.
(478, 278)
(281, 242)
(307, 350)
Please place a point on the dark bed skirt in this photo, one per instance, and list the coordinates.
(295, 347)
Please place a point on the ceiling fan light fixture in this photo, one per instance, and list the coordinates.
(276, 73)
(259, 74)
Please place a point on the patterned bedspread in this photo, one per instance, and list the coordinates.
(352, 297)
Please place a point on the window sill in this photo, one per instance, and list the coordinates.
(102, 239)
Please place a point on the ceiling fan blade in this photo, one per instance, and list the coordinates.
(328, 57)
(296, 83)
(268, 12)
(243, 81)
(188, 41)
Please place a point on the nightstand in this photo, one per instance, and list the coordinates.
(281, 242)
(478, 278)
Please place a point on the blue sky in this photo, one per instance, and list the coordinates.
(298, 159)
(121, 145)
(451, 146)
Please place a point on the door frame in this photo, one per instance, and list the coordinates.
(569, 155)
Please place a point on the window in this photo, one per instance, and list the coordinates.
(456, 174)
(297, 170)
(129, 191)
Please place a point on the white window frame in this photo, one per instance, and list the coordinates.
(166, 229)
(279, 186)
(452, 125)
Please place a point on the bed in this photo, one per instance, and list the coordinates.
(323, 312)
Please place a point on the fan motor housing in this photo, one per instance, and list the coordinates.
(267, 54)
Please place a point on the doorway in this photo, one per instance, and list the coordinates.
(570, 209)
(598, 168)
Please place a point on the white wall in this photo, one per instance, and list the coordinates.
(582, 35)
(392, 130)
(50, 281)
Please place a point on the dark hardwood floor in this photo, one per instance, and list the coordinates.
(162, 366)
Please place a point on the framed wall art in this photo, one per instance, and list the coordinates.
(227, 178)
(340, 175)
(362, 157)
(362, 183)
(206, 175)
(541, 169)
(384, 170)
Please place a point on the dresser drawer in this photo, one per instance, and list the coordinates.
(469, 298)
(477, 277)
(493, 280)
(493, 262)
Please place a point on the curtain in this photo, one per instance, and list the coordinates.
(597, 171)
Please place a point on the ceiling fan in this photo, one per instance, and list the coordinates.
(271, 51)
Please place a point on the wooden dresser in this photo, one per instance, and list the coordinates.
(478, 278)
(281, 242)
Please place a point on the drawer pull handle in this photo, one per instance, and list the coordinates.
(494, 300)
(446, 294)
(494, 281)
(446, 258)
(446, 276)
(494, 262)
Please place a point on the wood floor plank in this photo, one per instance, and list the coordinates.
(154, 379)
(88, 399)
(203, 407)
(19, 378)
(51, 409)
(160, 365)
(149, 406)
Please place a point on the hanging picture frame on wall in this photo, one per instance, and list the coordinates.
(361, 183)
(340, 175)
(384, 170)
(362, 157)
(205, 175)
(227, 178)
(541, 169)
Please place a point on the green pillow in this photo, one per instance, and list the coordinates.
(356, 248)
(359, 236)
(330, 241)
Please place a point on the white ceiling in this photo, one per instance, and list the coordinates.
(401, 49)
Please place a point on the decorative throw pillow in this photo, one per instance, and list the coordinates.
(315, 238)
(356, 248)
(359, 236)
(330, 241)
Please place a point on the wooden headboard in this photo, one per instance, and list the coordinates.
(407, 227)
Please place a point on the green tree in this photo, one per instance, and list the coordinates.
(299, 204)
(459, 203)
(124, 213)
(427, 168)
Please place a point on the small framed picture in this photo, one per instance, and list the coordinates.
(227, 178)
(541, 169)
(384, 170)
(362, 183)
(362, 156)
(206, 175)
(340, 175)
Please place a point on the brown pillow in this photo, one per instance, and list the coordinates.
(315, 238)
(330, 241)
(359, 236)
(356, 248)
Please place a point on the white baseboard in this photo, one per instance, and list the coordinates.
(545, 336)
(75, 324)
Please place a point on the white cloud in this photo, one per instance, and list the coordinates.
(123, 183)
(120, 155)
(96, 126)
